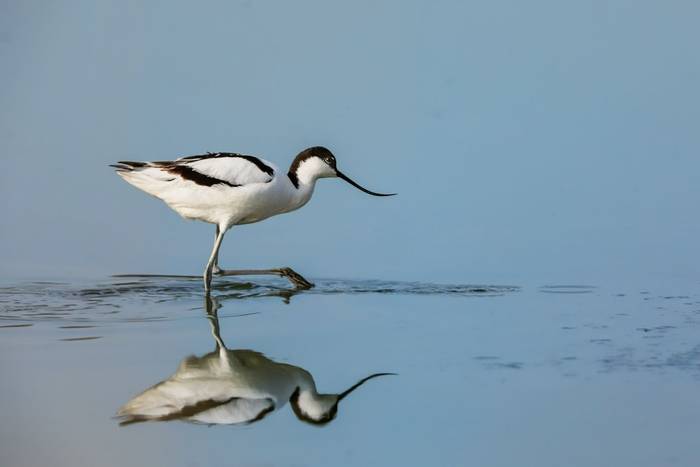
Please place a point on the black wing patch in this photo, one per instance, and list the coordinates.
(195, 409)
(263, 413)
(213, 155)
(181, 168)
(185, 412)
(188, 173)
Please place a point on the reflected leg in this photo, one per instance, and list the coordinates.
(211, 305)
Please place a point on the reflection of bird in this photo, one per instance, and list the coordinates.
(228, 189)
(233, 387)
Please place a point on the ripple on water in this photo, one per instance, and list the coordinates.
(567, 289)
(103, 301)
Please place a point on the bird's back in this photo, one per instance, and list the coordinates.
(226, 386)
(208, 187)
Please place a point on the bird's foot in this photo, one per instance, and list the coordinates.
(295, 278)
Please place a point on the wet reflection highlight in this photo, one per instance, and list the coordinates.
(232, 387)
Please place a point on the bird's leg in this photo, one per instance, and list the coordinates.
(211, 306)
(212, 259)
(294, 277)
(216, 269)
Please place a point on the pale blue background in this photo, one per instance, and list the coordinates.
(528, 141)
(531, 142)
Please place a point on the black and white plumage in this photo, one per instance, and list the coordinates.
(228, 189)
(233, 387)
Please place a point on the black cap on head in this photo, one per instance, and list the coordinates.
(326, 156)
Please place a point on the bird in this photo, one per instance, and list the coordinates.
(228, 189)
(233, 387)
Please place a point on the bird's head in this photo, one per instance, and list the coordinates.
(319, 409)
(318, 162)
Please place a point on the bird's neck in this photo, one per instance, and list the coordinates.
(300, 176)
(301, 187)
(304, 380)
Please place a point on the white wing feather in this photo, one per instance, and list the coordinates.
(234, 170)
(235, 412)
(204, 187)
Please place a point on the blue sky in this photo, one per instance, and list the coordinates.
(528, 141)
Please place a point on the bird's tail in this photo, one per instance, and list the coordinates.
(129, 165)
(151, 177)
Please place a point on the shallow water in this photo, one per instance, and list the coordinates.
(487, 375)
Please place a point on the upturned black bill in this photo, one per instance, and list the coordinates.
(347, 179)
(344, 394)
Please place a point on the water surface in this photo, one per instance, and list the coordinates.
(488, 375)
